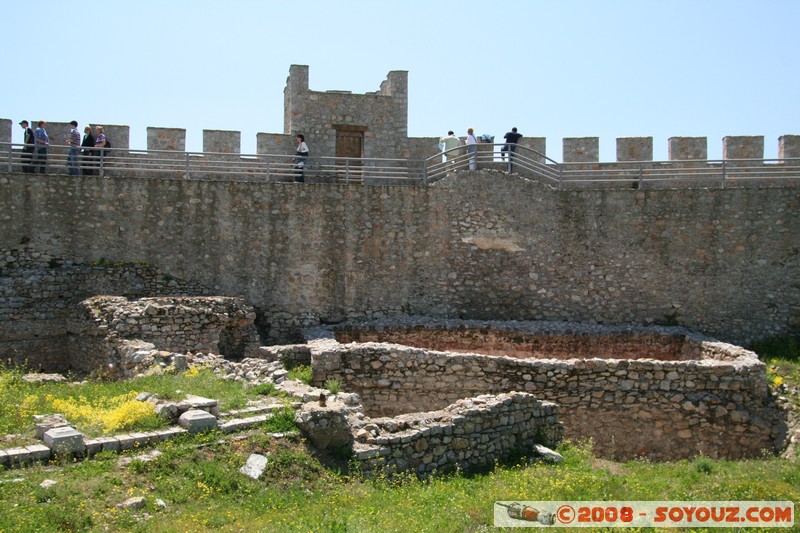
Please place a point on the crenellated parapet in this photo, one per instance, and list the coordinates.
(575, 150)
(339, 123)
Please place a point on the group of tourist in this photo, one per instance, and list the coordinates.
(92, 149)
(450, 144)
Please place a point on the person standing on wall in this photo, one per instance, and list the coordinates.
(450, 146)
(472, 149)
(301, 158)
(27, 150)
(42, 141)
(512, 137)
(73, 141)
(87, 152)
(99, 144)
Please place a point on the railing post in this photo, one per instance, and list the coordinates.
(641, 175)
(102, 156)
(425, 172)
(268, 171)
(188, 175)
(10, 158)
(560, 178)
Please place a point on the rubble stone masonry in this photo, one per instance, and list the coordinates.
(481, 245)
(706, 398)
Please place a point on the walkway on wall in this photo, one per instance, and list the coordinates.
(371, 171)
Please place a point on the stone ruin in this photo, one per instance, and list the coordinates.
(428, 395)
(663, 393)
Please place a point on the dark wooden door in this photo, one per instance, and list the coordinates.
(349, 147)
(349, 144)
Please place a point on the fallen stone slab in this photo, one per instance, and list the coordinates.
(255, 466)
(144, 458)
(547, 454)
(240, 424)
(64, 440)
(43, 378)
(132, 504)
(197, 421)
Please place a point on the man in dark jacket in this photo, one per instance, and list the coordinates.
(511, 145)
(27, 150)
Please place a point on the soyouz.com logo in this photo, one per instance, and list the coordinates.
(644, 514)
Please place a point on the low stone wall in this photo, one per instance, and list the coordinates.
(116, 328)
(471, 433)
(716, 404)
(40, 296)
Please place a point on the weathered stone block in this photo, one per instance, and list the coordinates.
(17, 456)
(581, 149)
(789, 146)
(634, 149)
(326, 427)
(741, 147)
(255, 466)
(197, 421)
(64, 440)
(222, 142)
(6, 128)
(44, 423)
(687, 148)
(38, 452)
(170, 139)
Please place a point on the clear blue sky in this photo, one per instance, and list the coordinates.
(556, 68)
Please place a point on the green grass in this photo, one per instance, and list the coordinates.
(333, 385)
(300, 373)
(20, 400)
(198, 477)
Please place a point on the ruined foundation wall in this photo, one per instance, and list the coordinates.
(40, 296)
(491, 341)
(181, 324)
(471, 433)
(662, 410)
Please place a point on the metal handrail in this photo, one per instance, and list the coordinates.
(524, 161)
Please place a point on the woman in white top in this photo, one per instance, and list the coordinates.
(472, 149)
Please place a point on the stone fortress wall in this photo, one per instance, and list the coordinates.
(479, 244)
(482, 245)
